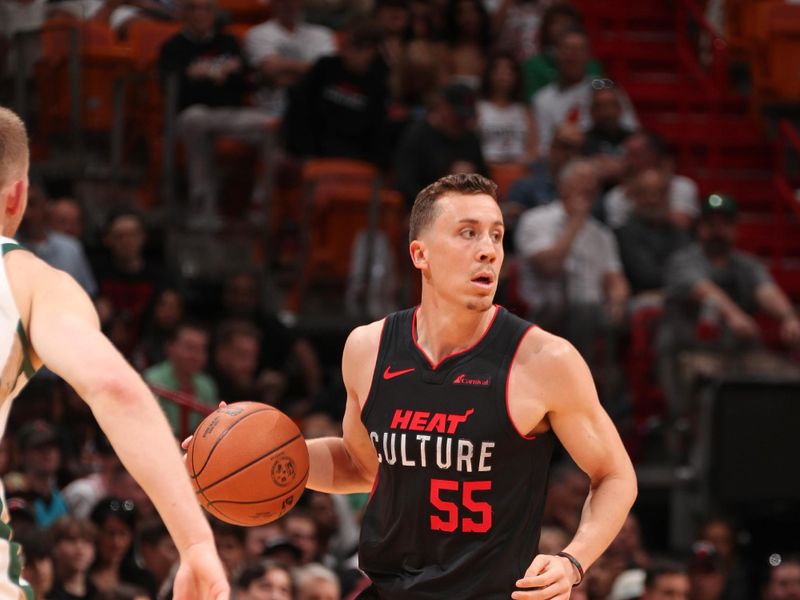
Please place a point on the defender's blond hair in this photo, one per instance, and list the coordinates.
(13, 148)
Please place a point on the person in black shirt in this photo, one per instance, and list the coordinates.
(339, 109)
(209, 68)
(649, 238)
(429, 148)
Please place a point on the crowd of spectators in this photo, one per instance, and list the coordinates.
(600, 226)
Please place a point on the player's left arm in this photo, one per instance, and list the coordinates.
(566, 387)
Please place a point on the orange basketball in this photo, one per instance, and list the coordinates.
(248, 463)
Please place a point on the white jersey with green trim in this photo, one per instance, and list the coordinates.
(15, 371)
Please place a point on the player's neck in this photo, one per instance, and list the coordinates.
(441, 331)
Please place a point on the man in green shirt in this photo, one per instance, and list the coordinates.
(187, 356)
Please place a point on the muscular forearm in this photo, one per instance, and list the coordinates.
(139, 433)
(603, 515)
(707, 290)
(773, 301)
(333, 470)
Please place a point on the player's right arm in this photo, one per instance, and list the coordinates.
(349, 464)
(65, 335)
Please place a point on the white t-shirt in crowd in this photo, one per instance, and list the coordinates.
(683, 198)
(503, 131)
(305, 43)
(553, 105)
(592, 256)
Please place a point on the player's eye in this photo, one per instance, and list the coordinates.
(497, 236)
(468, 233)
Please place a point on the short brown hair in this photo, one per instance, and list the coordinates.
(71, 528)
(13, 148)
(423, 213)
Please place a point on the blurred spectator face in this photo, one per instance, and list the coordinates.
(66, 216)
(469, 19)
(650, 195)
(42, 460)
(158, 558)
(276, 584)
(114, 539)
(706, 585)
(606, 109)
(503, 79)
(39, 574)
(302, 532)
(317, 425)
(199, 16)
(783, 582)
(238, 358)
(566, 145)
(670, 586)
(629, 538)
(580, 188)
(287, 11)
(240, 296)
(231, 551)
(717, 233)
(125, 238)
(257, 537)
(73, 555)
(393, 18)
(318, 589)
(324, 512)
(168, 310)
(359, 57)
(639, 155)
(572, 56)
(720, 534)
(123, 485)
(188, 352)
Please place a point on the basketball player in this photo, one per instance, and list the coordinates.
(46, 318)
(452, 412)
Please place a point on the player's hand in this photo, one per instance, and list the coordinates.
(548, 578)
(201, 576)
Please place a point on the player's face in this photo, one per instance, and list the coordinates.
(463, 250)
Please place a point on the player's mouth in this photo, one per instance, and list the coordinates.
(484, 279)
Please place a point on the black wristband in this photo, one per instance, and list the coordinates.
(575, 564)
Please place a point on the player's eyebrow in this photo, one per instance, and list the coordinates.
(470, 221)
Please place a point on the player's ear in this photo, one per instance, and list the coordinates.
(419, 254)
(14, 201)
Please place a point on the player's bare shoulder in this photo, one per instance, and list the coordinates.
(360, 356)
(543, 378)
(26, 273)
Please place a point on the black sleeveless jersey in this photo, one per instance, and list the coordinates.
(457, 504)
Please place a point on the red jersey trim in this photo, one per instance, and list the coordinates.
(424, 354)
(375, 372)
(508, 383)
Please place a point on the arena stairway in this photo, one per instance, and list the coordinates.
(675, 67)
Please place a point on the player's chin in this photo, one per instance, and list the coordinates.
(480, 304)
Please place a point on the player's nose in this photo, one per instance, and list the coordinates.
(487, 250)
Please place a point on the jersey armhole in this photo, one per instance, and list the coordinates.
(27, 365)
(511, 423)
(367, 407)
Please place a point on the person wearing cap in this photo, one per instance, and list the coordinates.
(429, 148)
(712, 292)
(40, 460)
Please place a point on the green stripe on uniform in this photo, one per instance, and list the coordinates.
(14, 563)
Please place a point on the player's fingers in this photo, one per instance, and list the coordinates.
(185, 443)
(539, 574)
(548, 593)
(222, 404)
